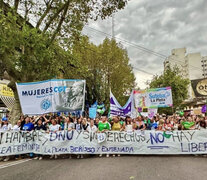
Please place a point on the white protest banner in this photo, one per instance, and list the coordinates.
(56, 95)
(83, 142)
(159, 97)
(153, 98)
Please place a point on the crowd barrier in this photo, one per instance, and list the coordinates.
(110, 142)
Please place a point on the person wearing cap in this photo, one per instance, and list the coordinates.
(5, 126)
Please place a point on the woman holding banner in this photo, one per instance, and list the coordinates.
(17, 126)
(40, 127)
(139, 124)
(116, 126)
(28, 126)
(161, 126)
(128, 126)
(168, 126)
(68, 125)
(54, 127)
(79, 127)
(85, 124)
(103, 126)
(92, 127)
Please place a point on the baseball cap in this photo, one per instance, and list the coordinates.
(4, 119)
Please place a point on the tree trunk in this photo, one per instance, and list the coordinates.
(16, 111)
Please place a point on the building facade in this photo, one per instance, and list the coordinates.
(192, 66)
(177, 59)
(204, 66)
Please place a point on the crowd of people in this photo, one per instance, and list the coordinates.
(54, 123)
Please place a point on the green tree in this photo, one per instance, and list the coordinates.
(26, 57)
(37, 51)
(171, 77)
(118, 75)
(104, 67)
(88, 68)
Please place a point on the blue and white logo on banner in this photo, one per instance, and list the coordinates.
(46, 104)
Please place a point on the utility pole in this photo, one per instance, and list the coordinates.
(112, 33)
(112, 53)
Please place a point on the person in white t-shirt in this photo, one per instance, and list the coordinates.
(54, 127)
(5, 125)
(68, 125)
(92, 127)
(17, 126)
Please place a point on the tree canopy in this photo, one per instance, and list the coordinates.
(36, 36)
(104, 67)
(33, 32)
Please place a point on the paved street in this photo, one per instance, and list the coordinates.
(125, 167)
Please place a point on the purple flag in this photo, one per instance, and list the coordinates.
(203, 110)
(117, 109)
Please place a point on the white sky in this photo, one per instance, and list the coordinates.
(160, 26)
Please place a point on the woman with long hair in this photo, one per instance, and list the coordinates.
(139, 124)
(129, 125)
(54, 127)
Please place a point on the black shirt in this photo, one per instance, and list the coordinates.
(42, 127)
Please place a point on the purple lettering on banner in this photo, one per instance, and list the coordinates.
(157, 138)
(117, 149)
(52, 138)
